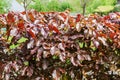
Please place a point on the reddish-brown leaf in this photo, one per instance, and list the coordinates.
(24, 12)
(112, 35)
(20, 24)
(51, 27)
(106, 17)
(10, 18)
(71, 21)
(63, 15)
(78, 17)
(55, 29)
(1, 69)
(32, 34)
(109, 25)
(102, 35)
(31, 16)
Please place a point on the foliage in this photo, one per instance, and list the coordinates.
(55, 45)
(117, 8)
(64, 6)
(96, 3)
(3, 6)
(38, 5)
(53, 5)
(104, 9)
(75, 6)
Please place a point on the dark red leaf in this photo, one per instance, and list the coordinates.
(56, 29)
(51, 27)
(31, 16)
(21, 24)
(32, 34)
(24, 12)
(63, 15)
(71, 21)
(112, 35)
(78, 17)
(107, 17)
(10, 18)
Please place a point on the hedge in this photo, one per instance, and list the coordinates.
(58, 46)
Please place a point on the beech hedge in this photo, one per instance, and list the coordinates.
(58, 46)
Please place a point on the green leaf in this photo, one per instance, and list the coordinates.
(22, 39)
(10, 38)
(26, 63)
(55, 57)
(68, 61)
(13, 46)
(65, 77)
(81, 44)
(86, 45)
(103, 9)
(92, 46)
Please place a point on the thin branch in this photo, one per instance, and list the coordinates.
(27, 4)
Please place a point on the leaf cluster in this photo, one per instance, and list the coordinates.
(56, 45)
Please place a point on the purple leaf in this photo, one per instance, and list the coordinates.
(46, 46)
(29, 71)
(33, 51)
(103, 40)
(46, 54)
(76, 36)
(72, 74)
(44, 65)
(62, 57)
(24, 71)
(87, 57)
(44, 33)
(38, 78)
(73, 61)
(78, 27)
(39, 54)
(100, 27)
(96, 43)
(30, 44)
(56, 75)
(7, 76)
(13, 32)
(52, 50)
(38, 43)
(81, 58)
(60, 46)
(15, 66)
(7, 68)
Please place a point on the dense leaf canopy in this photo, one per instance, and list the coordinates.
(54, 45)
